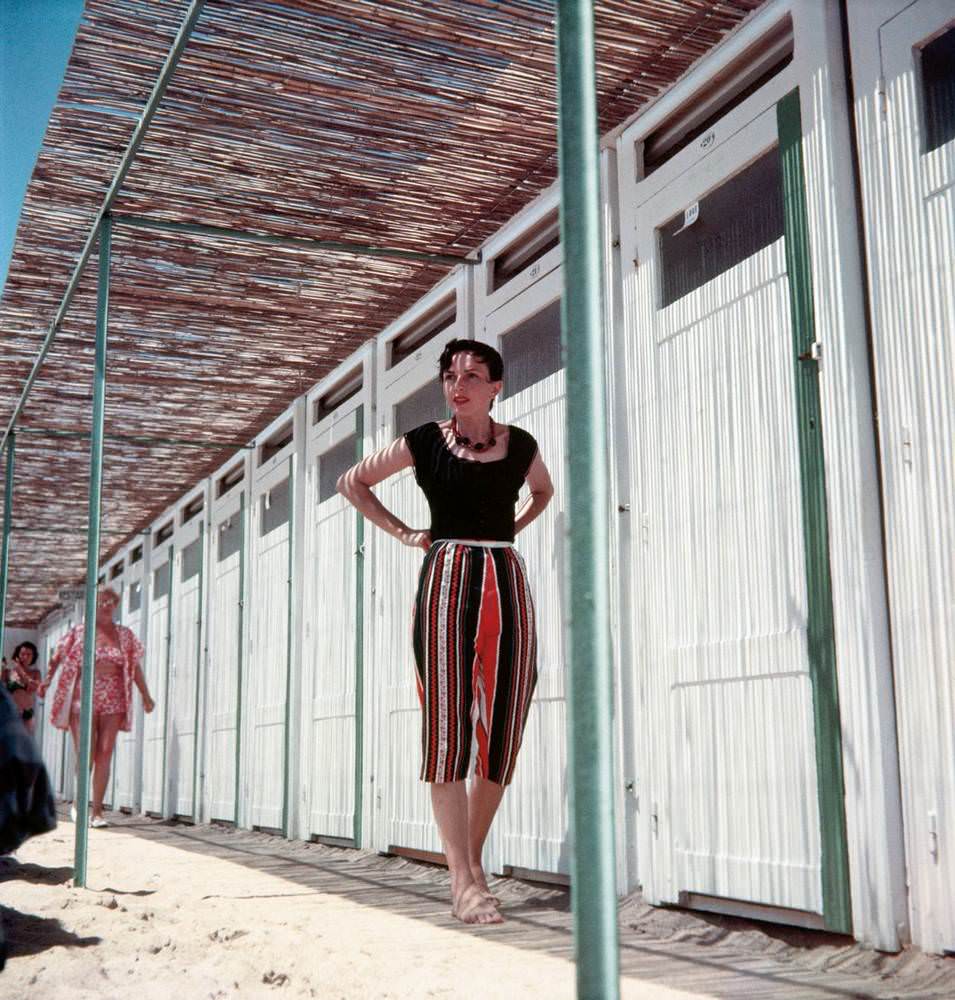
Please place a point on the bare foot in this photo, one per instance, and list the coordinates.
(477, 873)
(471, 906)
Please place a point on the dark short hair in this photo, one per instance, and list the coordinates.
(483, 352)
(31, 647)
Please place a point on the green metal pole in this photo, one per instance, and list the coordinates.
(7, 526)
(92, 559)
(590, 712)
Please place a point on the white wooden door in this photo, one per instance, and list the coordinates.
(266, 675)
(531, 831)
(908, 167)
(332, 629)
(402, 802)
(156, 669)
(225, 663)
(726, 706)
(186, 666)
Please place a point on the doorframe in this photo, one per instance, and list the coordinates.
(837, 903)
(267, 474)
(232, 503)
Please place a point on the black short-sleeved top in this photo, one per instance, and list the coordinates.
(470, 499)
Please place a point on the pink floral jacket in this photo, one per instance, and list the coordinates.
(70, 649)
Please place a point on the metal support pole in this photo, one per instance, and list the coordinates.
(92, 560)
(7, 527)
(590, 704)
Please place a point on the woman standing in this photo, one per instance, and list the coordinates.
(474, 638)
(117, 666)
(23, 681)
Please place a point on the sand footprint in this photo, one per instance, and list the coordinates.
(221, 935)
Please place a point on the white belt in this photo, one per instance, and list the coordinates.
(485, 543)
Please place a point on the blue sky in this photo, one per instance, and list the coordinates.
(36, 37)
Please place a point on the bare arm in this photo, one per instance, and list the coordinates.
(355, 486)
(54, 663)
(541, 491)
(140, 681)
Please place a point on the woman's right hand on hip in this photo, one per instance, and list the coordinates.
(417, 539)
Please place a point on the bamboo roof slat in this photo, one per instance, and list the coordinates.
(417, 124)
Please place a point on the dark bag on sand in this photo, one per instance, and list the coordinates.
(26, 800)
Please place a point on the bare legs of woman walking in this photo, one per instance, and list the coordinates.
(105, 730)
(464, 821)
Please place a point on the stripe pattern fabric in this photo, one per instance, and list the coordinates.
(475, 649)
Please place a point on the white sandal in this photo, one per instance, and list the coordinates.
(98, 822)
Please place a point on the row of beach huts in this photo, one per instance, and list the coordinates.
(780, 293)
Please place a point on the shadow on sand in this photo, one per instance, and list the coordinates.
(12, 870)
(27, 934)
(698, 954)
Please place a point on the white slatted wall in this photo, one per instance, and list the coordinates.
(187, 657)
(162, 584)
(521, 319)
(267, 671)
(338, 415)
(408, 395)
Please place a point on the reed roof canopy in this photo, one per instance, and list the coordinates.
(413, 124)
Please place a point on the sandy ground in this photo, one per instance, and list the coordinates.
(206, 912)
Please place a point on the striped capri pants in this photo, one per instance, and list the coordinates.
(476, 657)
